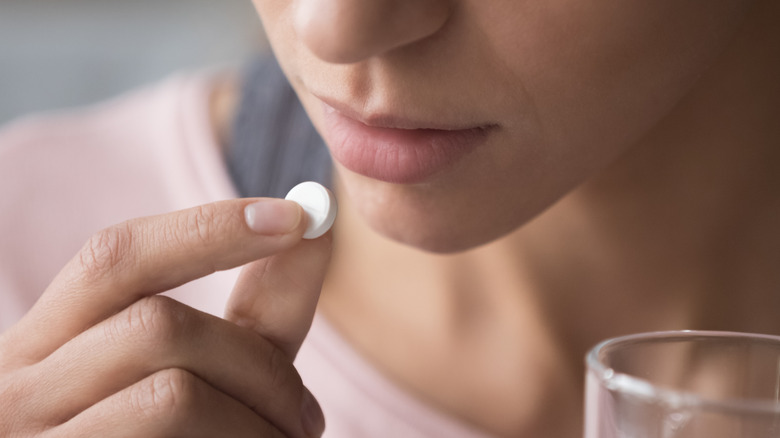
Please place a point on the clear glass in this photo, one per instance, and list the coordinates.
(686, 384)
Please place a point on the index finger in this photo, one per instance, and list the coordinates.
(146, 256)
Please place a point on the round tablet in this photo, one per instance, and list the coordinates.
(319, 205)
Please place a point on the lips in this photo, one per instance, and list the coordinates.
(397, 151)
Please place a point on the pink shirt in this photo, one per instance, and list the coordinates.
(65, 176)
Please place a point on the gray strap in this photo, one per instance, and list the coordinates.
(275, 146)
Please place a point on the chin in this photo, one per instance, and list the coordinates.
(429, 220)
(435, 240)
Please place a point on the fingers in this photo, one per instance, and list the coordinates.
(171, 402)
(145, 256)
(158, 333)
(277, 296)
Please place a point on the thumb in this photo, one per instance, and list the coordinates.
(277, 296)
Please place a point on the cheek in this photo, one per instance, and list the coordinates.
(276, 16)
(601, 75)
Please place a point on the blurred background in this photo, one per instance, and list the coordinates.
(62, 53)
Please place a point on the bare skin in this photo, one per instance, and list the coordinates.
(677, 232)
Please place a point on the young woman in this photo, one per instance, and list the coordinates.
(517, 181)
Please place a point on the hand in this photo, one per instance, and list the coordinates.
(100, 354)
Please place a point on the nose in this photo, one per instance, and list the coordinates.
(348, 31)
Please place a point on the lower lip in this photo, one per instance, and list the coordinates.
(400, 156)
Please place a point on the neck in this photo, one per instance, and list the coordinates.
(679, 233)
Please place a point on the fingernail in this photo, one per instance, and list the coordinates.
(272, 216)
(313, 420)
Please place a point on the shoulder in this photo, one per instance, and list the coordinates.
(67, 158)
(130, 117)
(37, 147)
(64, 175)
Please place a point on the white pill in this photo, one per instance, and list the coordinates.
(319, 205)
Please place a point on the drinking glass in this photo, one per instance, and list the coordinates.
(684, 384)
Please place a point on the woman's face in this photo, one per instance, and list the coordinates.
(453, 122)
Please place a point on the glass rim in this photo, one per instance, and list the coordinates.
(644, 389)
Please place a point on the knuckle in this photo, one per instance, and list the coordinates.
(106, 250)
(200, 223)
(156, 319)
(281, 374)
(8, 415)
(16, 394)
(169, 395)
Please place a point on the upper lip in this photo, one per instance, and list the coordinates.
(379, 119)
